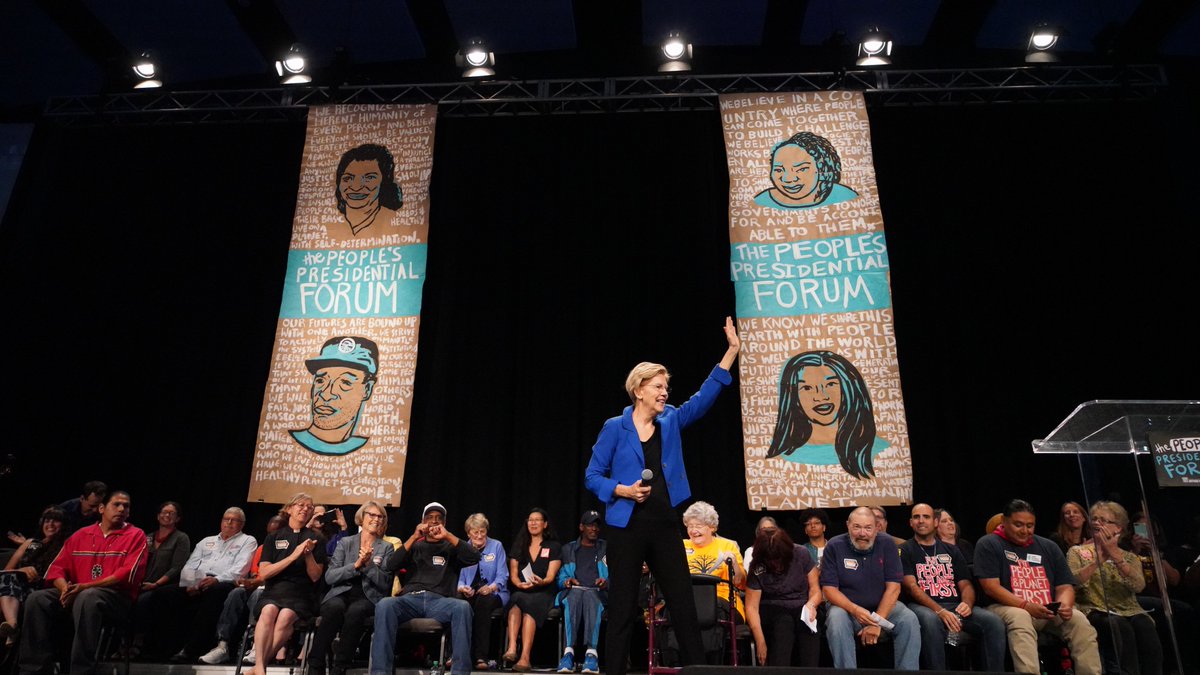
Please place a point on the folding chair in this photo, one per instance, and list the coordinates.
(707, 616)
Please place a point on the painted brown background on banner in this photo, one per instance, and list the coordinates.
(282, 466)
(753, 125)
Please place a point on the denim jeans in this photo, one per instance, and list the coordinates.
(390, 613)
(984, 626)
(841, 630)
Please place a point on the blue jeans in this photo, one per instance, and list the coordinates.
(841, 631)
(391, 612)
(984, 626)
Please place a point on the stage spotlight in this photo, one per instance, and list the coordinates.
(875, 49)
(146, 72)
(292, 68)
(476, 60)
(1041, 40)
(677, 54)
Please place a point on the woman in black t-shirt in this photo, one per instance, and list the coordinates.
(533, 563)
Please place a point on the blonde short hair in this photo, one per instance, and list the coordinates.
(359, 514)
(1118, 511)
(296, 499)
(703, 512)
(476, 520)
(640, 373)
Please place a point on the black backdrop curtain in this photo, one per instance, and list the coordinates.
(1041, 256)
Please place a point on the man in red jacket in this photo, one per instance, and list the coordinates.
(95, 578)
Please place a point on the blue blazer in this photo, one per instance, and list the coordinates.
(617, 455)
(493, 569)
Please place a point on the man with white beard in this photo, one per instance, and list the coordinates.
(861, 581)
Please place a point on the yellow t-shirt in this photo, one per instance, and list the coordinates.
(710, 559)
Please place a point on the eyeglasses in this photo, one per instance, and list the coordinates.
(659, 388)
(377, 516)
(1104, 521)
(232, 520)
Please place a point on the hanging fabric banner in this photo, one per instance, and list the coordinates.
(822, 412)
(335, 413)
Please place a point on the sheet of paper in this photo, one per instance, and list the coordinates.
(808, 619)
(527, 573)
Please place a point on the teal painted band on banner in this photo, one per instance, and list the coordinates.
(812, 295)
(354, 283)
(807, 258)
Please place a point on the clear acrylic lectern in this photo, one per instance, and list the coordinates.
(1116, 428)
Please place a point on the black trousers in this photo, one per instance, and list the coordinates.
(193, 618)
(349, 614)
(786, 633)
(481, 624)
(660, 546)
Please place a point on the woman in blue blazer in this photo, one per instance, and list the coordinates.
(640, 512)
(484, 586)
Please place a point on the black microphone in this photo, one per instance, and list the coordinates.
(647, 476)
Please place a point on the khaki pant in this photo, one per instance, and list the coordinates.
(1022, 639)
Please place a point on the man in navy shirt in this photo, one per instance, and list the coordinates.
(861, 580)
(938, 584)
(1027, 578)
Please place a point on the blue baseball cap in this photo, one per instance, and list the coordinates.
(346, 351)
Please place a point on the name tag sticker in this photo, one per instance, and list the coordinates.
(850, 563)
(1011, 556)
(489, 557)
(943, 558)
(378, 560)
(1034, 559)
(210, 544)
(439, 561)
(545, 553)
(282, 544)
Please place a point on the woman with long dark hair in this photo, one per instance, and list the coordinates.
(825, 415)
(27, 567)
(783, 589)
(533, 562)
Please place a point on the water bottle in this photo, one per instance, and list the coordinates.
(952, 637)
(436, 669)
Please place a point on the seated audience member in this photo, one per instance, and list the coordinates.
(85, 509)
(947, 530)
(860, 577)
(240, 603)
(816, 525)
(937, 581)
(332, 525)
(1186, 620)
(766, 523)
(292, 563)
(205, 582)
(533, 563)
(881, 523)
(26, 568)
(782, 590)
(583, 579)
(434, 557)
(357, 582)
(1109, 579)
(168, 548)
(95, 578)
(709, 554)
(1026, 578)
(1073, 527)
(484, 586)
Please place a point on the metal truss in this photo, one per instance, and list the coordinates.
(659, 93)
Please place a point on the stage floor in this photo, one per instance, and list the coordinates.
(198, 669)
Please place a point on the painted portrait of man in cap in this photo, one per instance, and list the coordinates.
(344, 375)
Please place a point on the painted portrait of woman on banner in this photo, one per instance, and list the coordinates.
(825, 415)
(806, 172)
(366, 192)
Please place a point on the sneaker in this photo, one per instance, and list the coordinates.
(591, 664)
(250, 657)
(567, 663)
(218, 654)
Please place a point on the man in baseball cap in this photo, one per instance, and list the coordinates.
(583, 579)
(433, 556)
(344, 376)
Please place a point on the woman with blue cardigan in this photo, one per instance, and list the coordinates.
(640, 508)
(484, 586)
